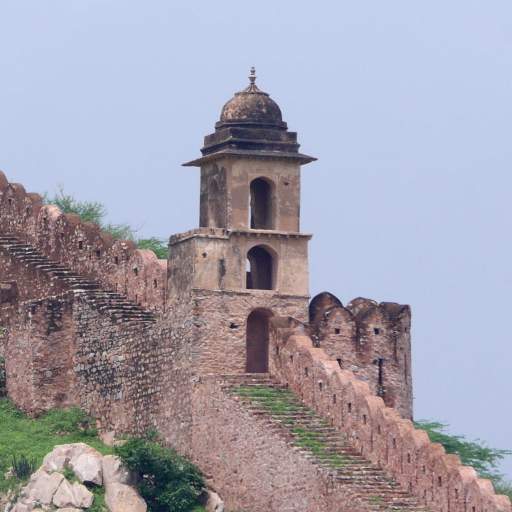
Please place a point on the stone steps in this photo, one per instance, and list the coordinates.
(323, 445)
(108, 302)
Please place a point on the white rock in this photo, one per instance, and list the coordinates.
(87, 467)
(109, 438)
(123, 498)
(83, 497)
(64, 497)
(41, 489)
(115, 472)
(211, 501)
(64, 454)
(21, 507)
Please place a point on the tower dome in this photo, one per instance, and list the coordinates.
(252, 106)
(251, 124)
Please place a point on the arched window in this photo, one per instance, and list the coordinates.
(214, 214)
(257, 341)
(260, 273)
(261, 216)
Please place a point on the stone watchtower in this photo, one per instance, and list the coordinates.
(248, 260)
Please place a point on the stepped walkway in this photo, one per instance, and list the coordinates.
(301, 427)
(118, 307)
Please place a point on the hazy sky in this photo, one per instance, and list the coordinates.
(406, 104)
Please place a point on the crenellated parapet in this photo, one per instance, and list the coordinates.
(114, 264)
(372, 340)
(423, 468)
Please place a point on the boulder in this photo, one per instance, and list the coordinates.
(211, 501)
(124, 498)
(115, 472)
(64, 497)
(87, 467)
(40, 490)
(83, 497)
(109, 438)
(64, 454)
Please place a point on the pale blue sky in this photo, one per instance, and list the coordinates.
(406, 104)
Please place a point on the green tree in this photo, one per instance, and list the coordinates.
(93, 211)
(169, 483)
(484, 460)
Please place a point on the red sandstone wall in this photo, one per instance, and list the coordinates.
(117, 264)
(378, 431)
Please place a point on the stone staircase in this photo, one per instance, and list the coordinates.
(117, 306)
(325, 446)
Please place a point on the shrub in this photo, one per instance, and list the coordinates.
(70, 422)
(169, 482)
(22, 466)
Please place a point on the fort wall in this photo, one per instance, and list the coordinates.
(115, 264)
(377, 431)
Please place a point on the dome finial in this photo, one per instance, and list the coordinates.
(252, 76)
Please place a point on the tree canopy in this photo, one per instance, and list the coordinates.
(475, 453)
(93, 211)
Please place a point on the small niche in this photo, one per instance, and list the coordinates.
(27, 211)
(339, 362)
(291, 359)
(320, 385)
(155, 283)
(333, 399)
(349, 407)
(364, 419)
(10, 202)
(394, 443)
(337, 330)
(277, 351)
(378, 429)
(62, 236)
(98, 254)
(376, 330)
(409, 458)
(116, 260)
(306, 371)
(80, 244)
(233, 326)
(439, 481)
(136, 271)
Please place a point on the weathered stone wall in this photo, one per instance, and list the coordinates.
(254, 468)
(213, 325)
(423, 468)
(116, 264)
(215, 259)
(39, 349)
(371, 340)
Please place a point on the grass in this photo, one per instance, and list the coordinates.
(283, 404)
(35, 438)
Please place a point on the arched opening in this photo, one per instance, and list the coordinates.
(261, 205)
(260, 271)
(214, 213)
(257, 341)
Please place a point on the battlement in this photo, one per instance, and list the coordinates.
(114, 264)
(378, 432)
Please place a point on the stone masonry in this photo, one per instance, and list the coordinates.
(142, 343)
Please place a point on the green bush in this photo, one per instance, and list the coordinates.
(169, 482)
(71, 422)
(22, 466)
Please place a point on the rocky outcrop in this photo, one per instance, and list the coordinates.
(50, 489)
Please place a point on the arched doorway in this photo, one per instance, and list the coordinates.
(257, 341)
(260, 272)
(261, 205)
